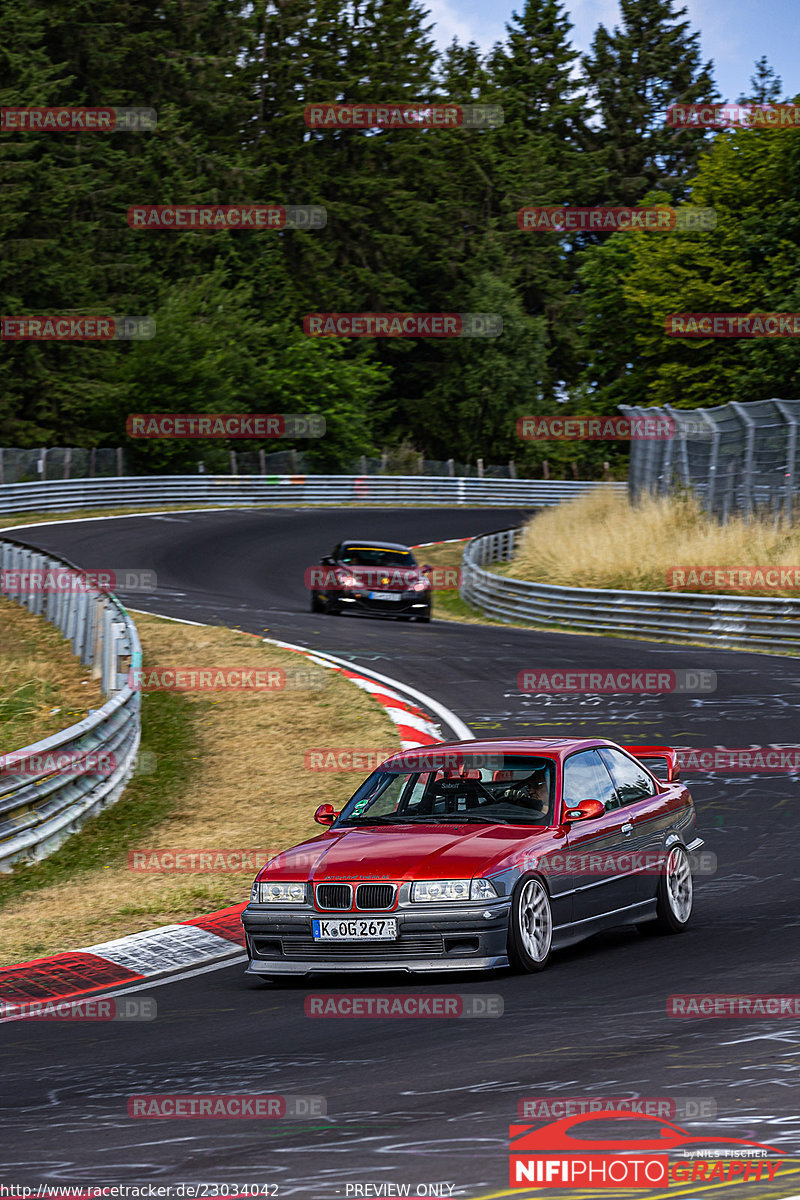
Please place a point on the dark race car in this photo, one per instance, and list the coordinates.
(478, 855)
(380, 578)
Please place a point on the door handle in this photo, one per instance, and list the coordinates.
(627, 829)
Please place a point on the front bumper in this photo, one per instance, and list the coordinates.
(407, 604)
(468, 940)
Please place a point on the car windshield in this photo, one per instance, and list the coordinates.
(460, 788)
(374, 556)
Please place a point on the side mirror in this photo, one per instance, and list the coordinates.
(426, 568)
(327, 561)
(585, 811)
(326, 814)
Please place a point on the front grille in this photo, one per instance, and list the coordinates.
(375, 895)
(415, 945)
(334, 895)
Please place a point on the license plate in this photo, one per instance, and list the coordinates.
(384, 596)
(358, 930)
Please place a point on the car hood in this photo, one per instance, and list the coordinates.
(407, 852)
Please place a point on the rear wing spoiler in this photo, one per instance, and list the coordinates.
(661, 761)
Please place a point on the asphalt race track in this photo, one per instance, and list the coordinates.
(422, 1101)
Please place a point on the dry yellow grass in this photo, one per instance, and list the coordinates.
(601, 541)
(43, 686)
(250, 790)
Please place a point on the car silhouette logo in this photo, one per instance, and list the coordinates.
(559, 1136)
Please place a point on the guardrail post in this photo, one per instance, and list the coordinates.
(713, 458)
(791, 456)
(747, 468)
(669, 452)
(639, 463)
(655, 455)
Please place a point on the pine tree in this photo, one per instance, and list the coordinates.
(765, 85)
(649, 62)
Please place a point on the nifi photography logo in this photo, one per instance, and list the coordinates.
(582, 1151)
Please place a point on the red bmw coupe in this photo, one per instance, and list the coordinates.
(478, 855)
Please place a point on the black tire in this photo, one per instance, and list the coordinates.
(426, 618)
(675, 896)
(524, 931)
(332, 608)
(316, 604)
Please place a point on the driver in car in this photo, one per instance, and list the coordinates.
(533, 793)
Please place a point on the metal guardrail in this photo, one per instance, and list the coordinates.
(155, 491)
(734, 621)
(48, 789)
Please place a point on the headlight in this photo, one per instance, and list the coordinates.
(254, 891)
(349, 581)
(434, 891)
(283, 893)
(421, 585)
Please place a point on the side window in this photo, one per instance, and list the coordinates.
(586, 778)
(633, 782)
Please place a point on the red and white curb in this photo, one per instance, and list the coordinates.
(138, 957)
(415, 726)
(217, 937)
